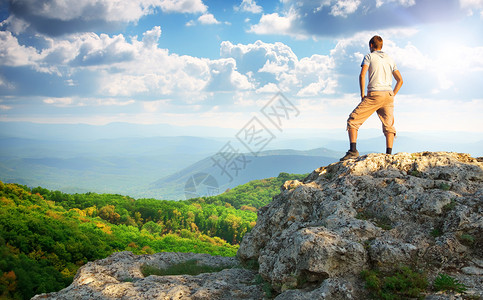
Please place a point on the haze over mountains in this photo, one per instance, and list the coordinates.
(158, 161)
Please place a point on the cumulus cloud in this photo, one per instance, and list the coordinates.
(249, 6)
(253, 57)
(274, 67)
(57, 17)
(270, 88)
(151, 37)
(285, 24)
(13, 54)
(95, 50)
(225, 77)
(318, 88)
(190, 23)
(343, 8)
(208, 19)
(116, 66)
(205, 19)
(181, 6)
(334, 18)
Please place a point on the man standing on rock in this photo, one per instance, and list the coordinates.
(380, 96)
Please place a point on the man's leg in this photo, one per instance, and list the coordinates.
(358, 116)
(389, 142)
(386, 115)
(352, 153)
(352, 139)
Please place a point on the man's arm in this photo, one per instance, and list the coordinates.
(399, 81)
(362, 80)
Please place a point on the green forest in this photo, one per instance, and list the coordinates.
(45, 236)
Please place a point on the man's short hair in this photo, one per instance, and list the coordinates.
(376, 42)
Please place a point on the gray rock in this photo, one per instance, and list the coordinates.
(472, 270)
(315, 237)
(376, 211)
(119, 277)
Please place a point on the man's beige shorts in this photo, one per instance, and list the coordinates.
(381, 102)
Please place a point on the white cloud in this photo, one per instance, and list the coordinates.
(151, 37)
(261, 57)
(81, 50)
(279, 24)
(79, 101)
(14, 24)
(190, 23)
(182, 6)
(343, 8)
(407, 57)
(57, 17)
(318, 88)
(125, 69)
(121, 67)
(271, 88)
(208, 19)
(471, 5)
(272, 24)
(109, 10)
(154, 106)
(61, 102)
(225, 77)
(249, 6)
(275, 67)
(405, 3)
(13, 54)
(342, 18)
(108, 102)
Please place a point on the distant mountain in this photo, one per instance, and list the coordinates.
(222, 175)
(109, 131)
(139, 159)
(370, 139)
(122, 165)
(28, 147)
(129, 165)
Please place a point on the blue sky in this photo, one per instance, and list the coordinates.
(217, 63)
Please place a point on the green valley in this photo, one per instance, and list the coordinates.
(45, 236)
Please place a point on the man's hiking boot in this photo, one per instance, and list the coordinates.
(350, 154)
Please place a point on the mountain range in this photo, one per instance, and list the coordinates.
(169, 162)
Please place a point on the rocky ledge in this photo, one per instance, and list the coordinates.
(422, 211)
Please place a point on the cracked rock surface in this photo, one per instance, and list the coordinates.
(119, 277)
(376, 211)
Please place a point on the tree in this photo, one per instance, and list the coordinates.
(108, 213)
(8, 284)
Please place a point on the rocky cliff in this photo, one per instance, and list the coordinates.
(421, 211)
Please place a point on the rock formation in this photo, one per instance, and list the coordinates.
(423, 210)
(120, 276)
